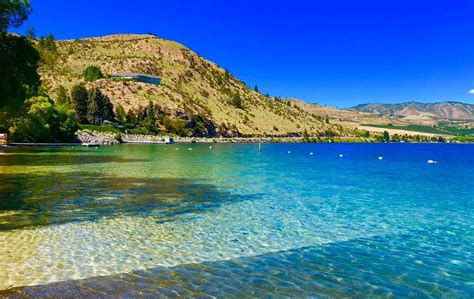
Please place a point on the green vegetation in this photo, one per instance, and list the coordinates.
(79, 97)
(385, 136)
(25, 111)
(237, 101)
(44, 122)
(92, 73)
(19, 78)
(48, 50)
(428, 129)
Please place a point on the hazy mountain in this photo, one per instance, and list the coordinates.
(422, 111)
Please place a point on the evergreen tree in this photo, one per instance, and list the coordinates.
(79, 99)
(108, 109)
(120, 113)
(30, 32)
(256, 88)
(62, 97)
(95, 107)
(386, 136)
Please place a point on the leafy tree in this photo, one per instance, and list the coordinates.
(19, 78)
(48, 43)
(13, 13)
(79, 99)
(30, 32)
(237, 101)
(95, 107)
(62, 97)
(386, 136)
(92, 73)
(44, 122)
(120, 113)
(48, 50)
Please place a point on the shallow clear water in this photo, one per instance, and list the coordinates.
(232, 221)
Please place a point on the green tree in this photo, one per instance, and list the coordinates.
(92, 73)
(256, 88)
(386, 136)
(95, 107)
(48, 50)
(13, 13)
(48, 43)
(79, 98)
(62, 97)
(120, 113)
(108, 109)
(237, 101)
(30, 32)
(44, 122)
(19, 78)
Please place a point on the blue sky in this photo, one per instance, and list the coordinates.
(338, 53)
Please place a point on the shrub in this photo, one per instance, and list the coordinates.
(92, 73)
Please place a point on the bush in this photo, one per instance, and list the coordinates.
(44, 122)
(92, 73)
(118, 137)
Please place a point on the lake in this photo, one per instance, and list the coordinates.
(325, 220)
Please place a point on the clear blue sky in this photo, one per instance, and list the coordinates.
(337, 53)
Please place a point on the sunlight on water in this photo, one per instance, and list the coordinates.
(74, 213)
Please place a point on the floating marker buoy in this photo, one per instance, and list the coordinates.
(311, 154)
(176, 149)
(289, 152)
(190, 149)
(341, 155)
(210, 146)
(432, 161)
(380, 158)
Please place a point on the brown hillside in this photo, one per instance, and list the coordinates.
(191, 85)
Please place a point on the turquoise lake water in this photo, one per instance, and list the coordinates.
(189, 220)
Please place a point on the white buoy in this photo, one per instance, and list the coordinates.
(176, 149)
(432, 161)
(311, 154)
(289, 152)
(341, 155)
(210, 146)
(190, 149)
(380, 158)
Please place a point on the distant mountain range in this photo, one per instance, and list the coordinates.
(454, 111)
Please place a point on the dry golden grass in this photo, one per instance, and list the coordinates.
(190, 84)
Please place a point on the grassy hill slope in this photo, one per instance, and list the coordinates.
(191, 85)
